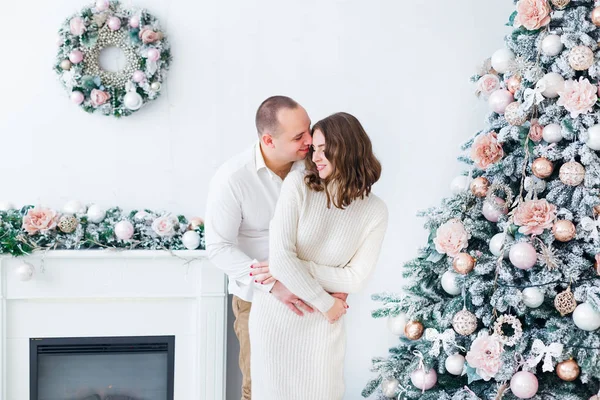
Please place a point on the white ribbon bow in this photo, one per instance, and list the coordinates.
(540, 350)
(591, 225)
(533, 185)
(534, 96)
(447, 339)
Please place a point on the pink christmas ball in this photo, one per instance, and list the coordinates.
(153, 55)
(114, 23)
(423, 380)
(123, 230)
(102, 5)
(76, 56)
(491, 213)
(138, 76)
(499, 100)
(524, 385)
(523, 255)
(77, 97)
(134, 22)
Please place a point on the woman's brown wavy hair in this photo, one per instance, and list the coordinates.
(349, 150)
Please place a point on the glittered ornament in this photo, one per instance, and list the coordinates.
(464, 322)
(414, 330)
(389, 387)
(524, 385)
(565, 302)
(560, 4)
(542, 167)
(513, 83)
(516, 328)
(581, 58)
(423, 380)
(480, 186)
(568, 370)
(513, 115)
(463, 263)
(68, 223)
(595, 16)
(564, 230)
(571, 173)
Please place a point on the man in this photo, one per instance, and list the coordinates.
(241, 202)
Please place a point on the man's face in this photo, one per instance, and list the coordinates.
(294, 140)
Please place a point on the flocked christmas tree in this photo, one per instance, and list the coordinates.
(503, 301)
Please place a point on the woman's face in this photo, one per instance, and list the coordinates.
(323, 165)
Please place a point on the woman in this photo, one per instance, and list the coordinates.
(325, 239)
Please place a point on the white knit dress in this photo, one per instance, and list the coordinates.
(313, 250)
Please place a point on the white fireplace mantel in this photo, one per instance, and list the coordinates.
(87, 293)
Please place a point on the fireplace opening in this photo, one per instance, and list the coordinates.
(102, 368)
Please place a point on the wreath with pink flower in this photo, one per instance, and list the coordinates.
(137, 33)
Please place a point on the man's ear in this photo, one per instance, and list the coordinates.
(267, 140)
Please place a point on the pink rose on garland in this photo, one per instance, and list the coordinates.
(98, 97)
(451, 237)
(536, 131)
(165, 226)
(148, 36)
(533, 216)
(77, 26)
(40, 219)
(578, 97)
(485, 355)
(532, 14)
(486, 150)
(487, 84)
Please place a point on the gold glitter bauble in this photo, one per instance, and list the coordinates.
(571, 173)
(581, 58)
(568, 370)
(463, 263)
(560, 4)
(595, 17)
(565, 302)
(513, 83)
(464, 322)
(542, 167)
(564, 230)
(480, 186)
(414, 330)
(68, 223)
(513, 116)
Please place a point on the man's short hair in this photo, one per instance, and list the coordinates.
(266, 115)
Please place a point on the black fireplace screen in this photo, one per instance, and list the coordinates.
(108, 368)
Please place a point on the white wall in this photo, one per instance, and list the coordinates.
(401, 67)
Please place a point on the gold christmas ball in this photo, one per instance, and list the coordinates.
(597, 267)
(513, 115)
(513, 83)
(464, 322)
(560, 4)
(542, 167)
(463, 263)
(480, 186)
(581, 58)
(564, 230)
(568, 370)
(571, 173)
(565, 302)
(414, 330)
(195, 222)
(65, 65)
(597, 209)
(68, 223)
(596, 16)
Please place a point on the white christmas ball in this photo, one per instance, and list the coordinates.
(6, 206)
(155, 86)
(74, 207)
(593, 140)
(496, 244)
(554, 83)
(551, 45)
(141, 215)
(460, 184)
(96, 214)
(422, 379)
(552, 133)
(503, 60)
(586, 318)
(389, 387)
(455, 364)
(450, 283)
(191, 240)
(533, 297)
(133, 101)
(397, 324)
(24, 271)
(124, 230)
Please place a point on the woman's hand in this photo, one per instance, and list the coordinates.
(260, 273)
(336, 312)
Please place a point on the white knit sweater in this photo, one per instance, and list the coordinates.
(313, 250)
